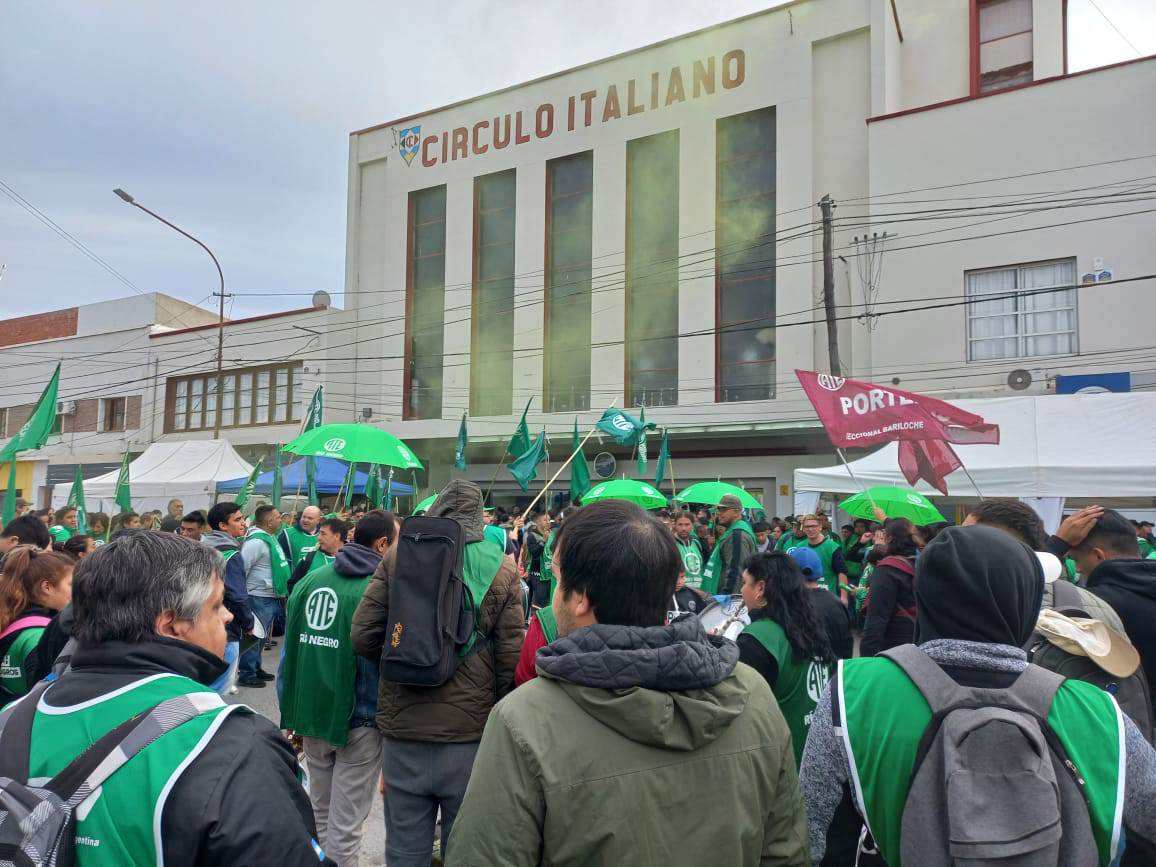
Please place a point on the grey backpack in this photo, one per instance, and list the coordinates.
(38, 822)
(992, 784)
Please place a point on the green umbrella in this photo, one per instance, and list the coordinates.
(356, 443)
(424, 505)
(895, 503)
(642, 493)
(711, 492)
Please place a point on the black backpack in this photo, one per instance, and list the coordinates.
(430, 618)
(1131, 693)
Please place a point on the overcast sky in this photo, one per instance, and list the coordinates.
(232, 120)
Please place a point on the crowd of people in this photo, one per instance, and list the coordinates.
(895, 693)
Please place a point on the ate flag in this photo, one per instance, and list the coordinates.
(860, 414)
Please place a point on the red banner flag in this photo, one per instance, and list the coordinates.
(857, 413)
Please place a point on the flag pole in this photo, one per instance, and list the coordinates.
(851, 473)
(554, 478)
(340, 488)
(673, 483)
(963, 467)
(497, 470)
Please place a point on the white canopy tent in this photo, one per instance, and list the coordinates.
(186, 471)
(1053, 446)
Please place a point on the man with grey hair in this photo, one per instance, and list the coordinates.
(218, 789)
(300, 539)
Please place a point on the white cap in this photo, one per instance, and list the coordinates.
(1053, 568)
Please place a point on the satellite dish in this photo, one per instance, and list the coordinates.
(321, 299)
(1019, 379)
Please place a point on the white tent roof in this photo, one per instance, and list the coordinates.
(188, 471)
(1078, 445)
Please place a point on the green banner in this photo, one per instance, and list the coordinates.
(460, 448)
(520, 444)
(76, 500)
(663, 459)
(311, 480)
(250, 483)
(373, 486)
(316, 410)
(642, 443)
(35, 432)
(275, 495)
(625, 429)
(525, 468)
(10, 495)
(579, 470)
(350, 476)
(123, 495)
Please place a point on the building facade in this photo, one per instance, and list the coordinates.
(644, 231)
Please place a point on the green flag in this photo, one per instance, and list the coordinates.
(387, 500)
(663, 459)
(520, 444)
(525, 467)
(76, 500)
(350, 476)
(373, 486)
(642, 443)
(579, 471)
(38, 428)
(250, 483)
(625, 429)
(275, 495)
(311, 480)
(316, 407)
(10, 495)
(123, 495)
(460, 448)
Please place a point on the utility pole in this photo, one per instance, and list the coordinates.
(827, 206)
(220, 310)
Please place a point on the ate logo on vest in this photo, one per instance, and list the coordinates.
(321, 609)
(691, 560)
(817, 678)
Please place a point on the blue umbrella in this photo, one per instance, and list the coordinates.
(330, 475)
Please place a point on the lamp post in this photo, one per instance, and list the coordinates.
(220, 310)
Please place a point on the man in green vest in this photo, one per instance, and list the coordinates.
(329, 694)
(792, 539)
(65, 527)
(220, 788)
(298, 540)
(830, 553)
(331, 535)
(226, 528)
(978, 593)
(267, 575)
(691, 549)
(736, 542)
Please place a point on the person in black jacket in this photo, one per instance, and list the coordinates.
(150, 622)
(835, 616)
(891, 596)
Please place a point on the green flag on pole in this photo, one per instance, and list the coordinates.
(625, 429)
(642, 443)
(311, 480)
(316, 408)
(76, 500)
(35, 432)
(387, 499)
(123, 495)
(579, 470)
(373, 486)
(520, 444)
(350, 475)
(10, 495)
(525, 467)
(250, 483)
(275, 495)
(460, 448)
(663, 459)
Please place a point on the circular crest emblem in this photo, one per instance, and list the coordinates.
(334, 445)
(817, 677)
(829, 382)
(915, 499)
(321, 609)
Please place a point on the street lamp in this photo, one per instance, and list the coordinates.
(221, 309)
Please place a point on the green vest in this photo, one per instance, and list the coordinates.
(60, 533)
(320, 561)
(713, 572)
(548, 623)
(12, 665)
(319, 670)
(480, 565)
(799, 684)
(548, 563)
(1147, 549)
(300, 544)
(120, 825)
(789, 540)
(854, 566)
(826, 551)
(884, 716)
(278, 562)
(691, 561)
(494, 533)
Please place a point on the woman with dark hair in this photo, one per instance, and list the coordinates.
(78, 547)
(785, 642)
(34, 586)
(890, 601)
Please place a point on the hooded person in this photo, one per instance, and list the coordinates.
(432, 733)
(637, 743)
(978, 593)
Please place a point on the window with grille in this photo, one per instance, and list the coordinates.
(1022, 311)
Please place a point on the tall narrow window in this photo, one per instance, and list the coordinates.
(425, 297)
(492, 365)
(569, 238)
(652, 270)
(745, 256)
(1004, 51)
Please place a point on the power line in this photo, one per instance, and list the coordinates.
(1119, 32)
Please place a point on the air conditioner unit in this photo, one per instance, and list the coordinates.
(1025, 381)
(66, 407)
